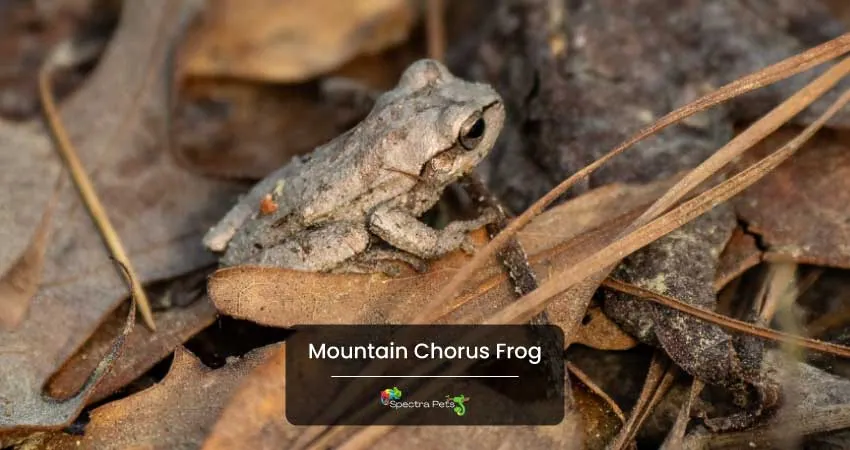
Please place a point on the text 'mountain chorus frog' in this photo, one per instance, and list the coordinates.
(354, 203)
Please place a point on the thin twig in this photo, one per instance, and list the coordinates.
(436, 30)
(675, 438)
(659, 379)
(89, 195)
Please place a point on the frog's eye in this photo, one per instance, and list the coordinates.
(472, 131)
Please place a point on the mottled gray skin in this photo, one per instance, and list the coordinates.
(371, 184)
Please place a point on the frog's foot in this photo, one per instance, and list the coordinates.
(463, 227)
(387, 261)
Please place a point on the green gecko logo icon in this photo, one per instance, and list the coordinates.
(460, 408)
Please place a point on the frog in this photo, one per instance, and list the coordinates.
(355, 203)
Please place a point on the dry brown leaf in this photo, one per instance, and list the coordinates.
(237, 129)
(812, 188)
(27, 178)
(176, 413)
(255, 417)
(601, 417)
(600, 332)
(40, 411)
(741, 254)
(566, 435)
(244, 130)
(283, 298)
(28, 32)
(292, 41)
(143, 349)
(20, 283)
(160, 210)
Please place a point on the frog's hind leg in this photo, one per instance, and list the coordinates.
(382, 260)
(317, 249)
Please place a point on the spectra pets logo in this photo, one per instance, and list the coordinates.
(460, 407)
(390, 394)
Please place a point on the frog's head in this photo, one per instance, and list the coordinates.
(440, 126)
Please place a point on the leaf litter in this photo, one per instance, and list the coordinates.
(782, 208)
(270, 40)
(185, 403)
(531, 304)
(143, 349)
(242, 129)
(19, 284)
(79, 284)
(683, 264)
(40, 412)
(565, 259)
(792, 146)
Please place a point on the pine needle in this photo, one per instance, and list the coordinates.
(88, 193)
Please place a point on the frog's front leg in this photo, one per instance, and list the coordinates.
(406, 232)
(316, 249)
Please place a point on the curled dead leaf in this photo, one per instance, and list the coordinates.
(176, 413)
(31, 410)
(283, 298)
(143, 349)
(292, 41)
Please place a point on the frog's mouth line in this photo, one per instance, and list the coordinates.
(414, 176)
(454, 151)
